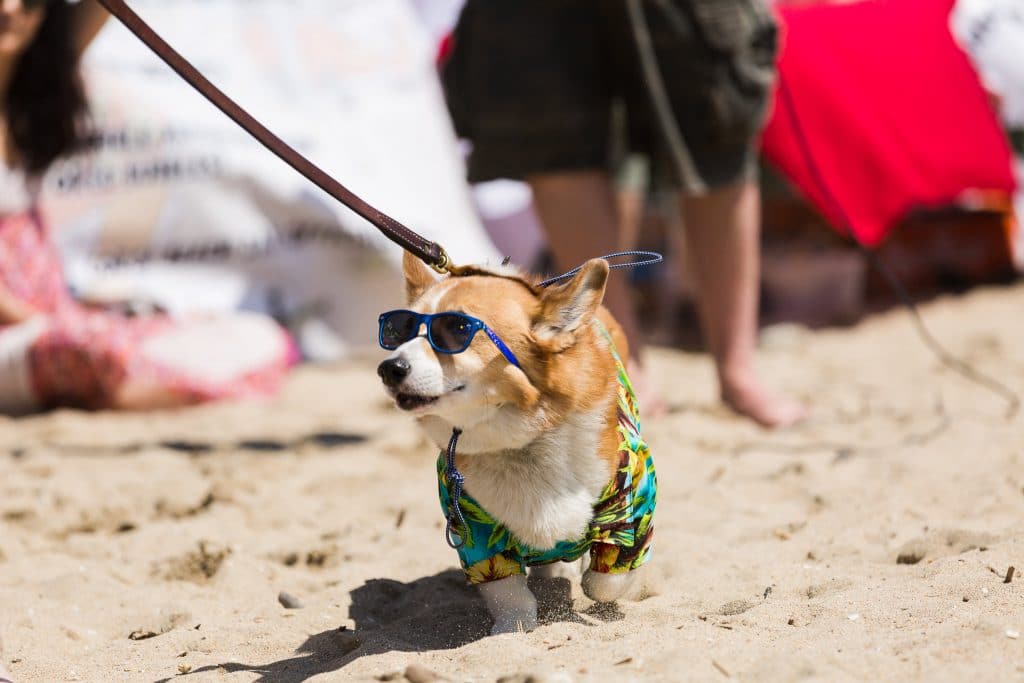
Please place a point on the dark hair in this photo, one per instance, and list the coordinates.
(45, 101)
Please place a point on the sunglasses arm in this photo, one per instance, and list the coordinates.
(505, 351)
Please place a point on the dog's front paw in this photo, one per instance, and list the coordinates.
(511, 604)
(606, 587)
(514, 624)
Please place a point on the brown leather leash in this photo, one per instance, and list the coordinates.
(431, 253)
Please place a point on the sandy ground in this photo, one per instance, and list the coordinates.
(869, 544)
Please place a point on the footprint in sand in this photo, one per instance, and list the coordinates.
(941, 543)
(197, 566)
(317, 558)
(163, 626)
(831, 586)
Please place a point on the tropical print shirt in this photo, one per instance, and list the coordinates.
(618, 536)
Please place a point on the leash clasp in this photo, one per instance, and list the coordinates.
(443, 266)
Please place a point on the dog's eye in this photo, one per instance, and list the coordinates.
(398, 328)
(452, 332)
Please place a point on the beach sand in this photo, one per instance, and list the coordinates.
(871, 543)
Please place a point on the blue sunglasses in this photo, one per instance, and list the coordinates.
(447, 332)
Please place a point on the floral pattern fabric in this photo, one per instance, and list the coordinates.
(619, 534)
(83, 355)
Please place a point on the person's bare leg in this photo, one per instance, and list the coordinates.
(580, 217)
(723, 237)
(135, 394)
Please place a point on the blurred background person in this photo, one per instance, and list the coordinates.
(175, 204)
(541, 88)
(55, 350)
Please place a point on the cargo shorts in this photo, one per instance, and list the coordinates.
(545, 86)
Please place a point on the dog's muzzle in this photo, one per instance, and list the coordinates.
(393, 371)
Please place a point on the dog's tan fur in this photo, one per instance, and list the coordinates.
(539, 442)
(564, 372)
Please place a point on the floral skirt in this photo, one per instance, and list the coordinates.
(83, 358)
(69, 354)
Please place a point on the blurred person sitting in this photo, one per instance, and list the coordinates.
(542, 87)
(54, 350)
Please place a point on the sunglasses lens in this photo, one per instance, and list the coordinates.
(452, 333)
(397, 328)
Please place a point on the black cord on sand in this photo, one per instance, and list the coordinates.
(947, 359)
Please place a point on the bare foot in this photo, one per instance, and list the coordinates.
(748, 397)
(652, 403)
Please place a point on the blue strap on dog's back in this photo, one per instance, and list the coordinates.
(649, 259)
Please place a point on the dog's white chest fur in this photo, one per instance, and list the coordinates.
(545, 492)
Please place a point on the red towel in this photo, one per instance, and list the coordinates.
(892, 112)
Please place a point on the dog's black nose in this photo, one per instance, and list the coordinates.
(393, 371)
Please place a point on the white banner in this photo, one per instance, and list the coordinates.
(992, 32)
(223, 224)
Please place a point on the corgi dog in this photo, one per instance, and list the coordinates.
(524, 389)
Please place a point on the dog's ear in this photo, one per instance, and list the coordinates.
(418, 277)
(565, 307)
